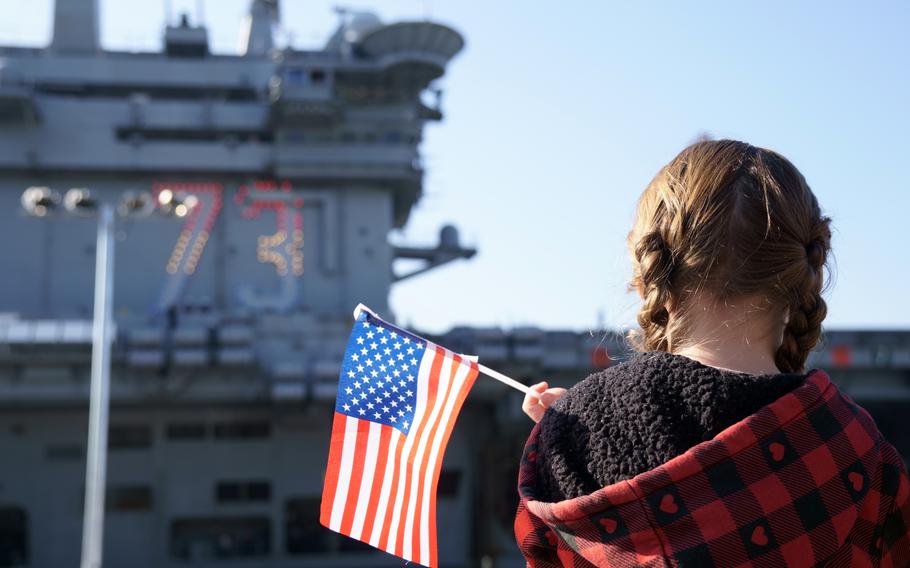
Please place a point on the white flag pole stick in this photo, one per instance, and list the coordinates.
(482, 368)
(505, 380)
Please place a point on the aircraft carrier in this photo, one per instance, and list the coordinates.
(231, 316)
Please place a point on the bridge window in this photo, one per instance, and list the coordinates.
(180, 431)
(243, 491)
(129, 498)
(129, 437)
(64, 452)
(242, 430)
(13, 537)
(302, 532)
(293, 136)
(449, 481)
(296, 76)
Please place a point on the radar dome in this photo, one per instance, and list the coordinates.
(353, 28)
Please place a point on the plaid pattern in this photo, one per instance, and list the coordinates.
(807, 480)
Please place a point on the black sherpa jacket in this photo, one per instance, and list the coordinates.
(664, 462)
(639, 414)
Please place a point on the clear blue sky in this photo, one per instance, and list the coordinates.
(557, 118)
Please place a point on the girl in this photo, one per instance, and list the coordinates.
(713, 446)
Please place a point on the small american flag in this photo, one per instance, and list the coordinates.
(398, 398)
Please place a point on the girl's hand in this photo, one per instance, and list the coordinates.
(539, 400)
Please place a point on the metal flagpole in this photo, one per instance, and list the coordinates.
(96, 464)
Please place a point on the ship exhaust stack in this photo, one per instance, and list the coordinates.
(256, 35)
(75, 26)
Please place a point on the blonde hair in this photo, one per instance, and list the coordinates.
(732, 220)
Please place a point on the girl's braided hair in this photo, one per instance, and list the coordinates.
(734, 221)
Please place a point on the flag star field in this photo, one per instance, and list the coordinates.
(378, 379)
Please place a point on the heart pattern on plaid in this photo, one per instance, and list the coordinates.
(771, 490)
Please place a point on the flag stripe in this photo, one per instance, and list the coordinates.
(417, 458)
(380, 484)
(371, 475)
(357, 476)
(421, 542)
(402, 493)
(412, 537)
(429, 368)
(344, 473)
(336, 445)
(391, 478)
(429, 532)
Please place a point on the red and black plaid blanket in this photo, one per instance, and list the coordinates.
(807, 480)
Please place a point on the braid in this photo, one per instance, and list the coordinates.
(807, 313)
(801, 334)
(654, 267)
